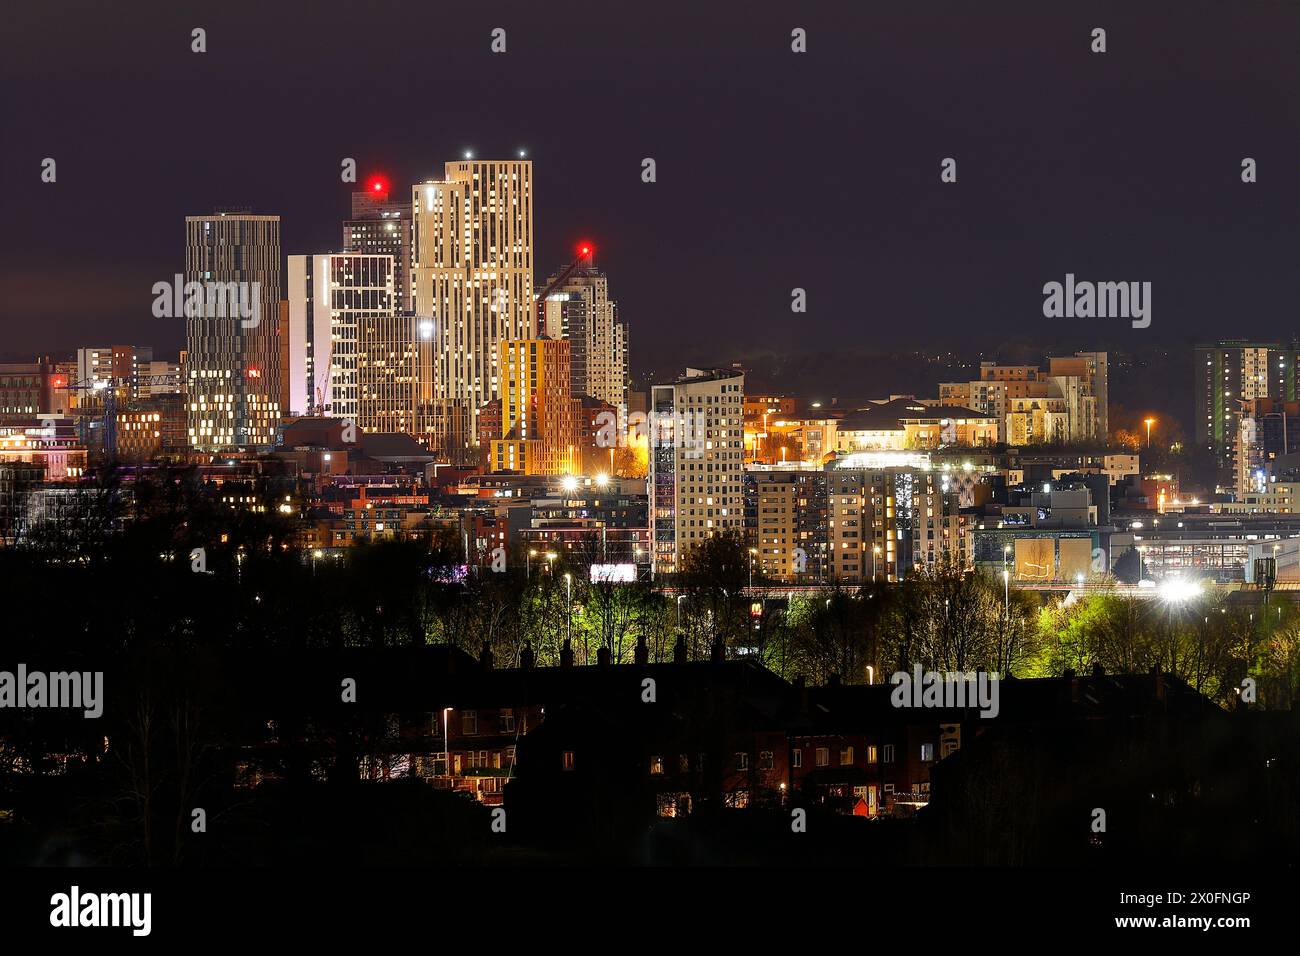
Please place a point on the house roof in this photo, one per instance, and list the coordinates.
(394, 446)
(890, 415)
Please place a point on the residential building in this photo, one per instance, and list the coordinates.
(540, 418)
(889, 520)
(697, 452)
(380, 226)
(1230, 372)
(1066, 402)
(472, 262)
(1266, 429)
(351, 354)
(788, 523)
(578, 308)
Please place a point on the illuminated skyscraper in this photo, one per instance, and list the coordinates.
(232, 367)
(472, 261)
(579, 309)
(382, 226)
(540, 424)
(341, 333)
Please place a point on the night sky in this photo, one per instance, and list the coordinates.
(775, 170)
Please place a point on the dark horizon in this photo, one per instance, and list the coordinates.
(775, 170)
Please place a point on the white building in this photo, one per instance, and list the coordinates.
(472, 262)
(343, 331)
(697, 462)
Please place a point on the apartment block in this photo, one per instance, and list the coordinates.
(697, 451)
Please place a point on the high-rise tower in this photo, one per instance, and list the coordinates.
(472, 262)
(232, 368)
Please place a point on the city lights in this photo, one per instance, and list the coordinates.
(786, 436)
(1179, 590)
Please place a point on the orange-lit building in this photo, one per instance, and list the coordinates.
(540, 430)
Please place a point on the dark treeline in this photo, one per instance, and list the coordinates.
(167, 562)
(170, 587)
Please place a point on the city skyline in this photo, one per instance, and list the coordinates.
(489, 440)
(1153, 177)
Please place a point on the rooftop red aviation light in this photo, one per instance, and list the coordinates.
(377, 185)
(585, 250)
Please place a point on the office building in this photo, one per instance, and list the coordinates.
(351, 354)
(232, 371)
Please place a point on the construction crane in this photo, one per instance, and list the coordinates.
(586, 253)
(108, 388)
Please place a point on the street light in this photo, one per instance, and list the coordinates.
(528, 563)
(752, 552)
(1006, 581)
(568, 598)
(446, 744)
(1148, 422)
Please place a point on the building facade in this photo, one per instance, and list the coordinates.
(540, 418)
(1066, 402)
(381, 226)
(232, 370)
(472, 262)
(579, 309)
(1231, 372)
(351, 353)
(697, 460)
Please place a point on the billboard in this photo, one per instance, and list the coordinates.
(613, 573)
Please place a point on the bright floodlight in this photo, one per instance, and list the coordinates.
(569, 483)
(602, 480)
(1177, 590)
